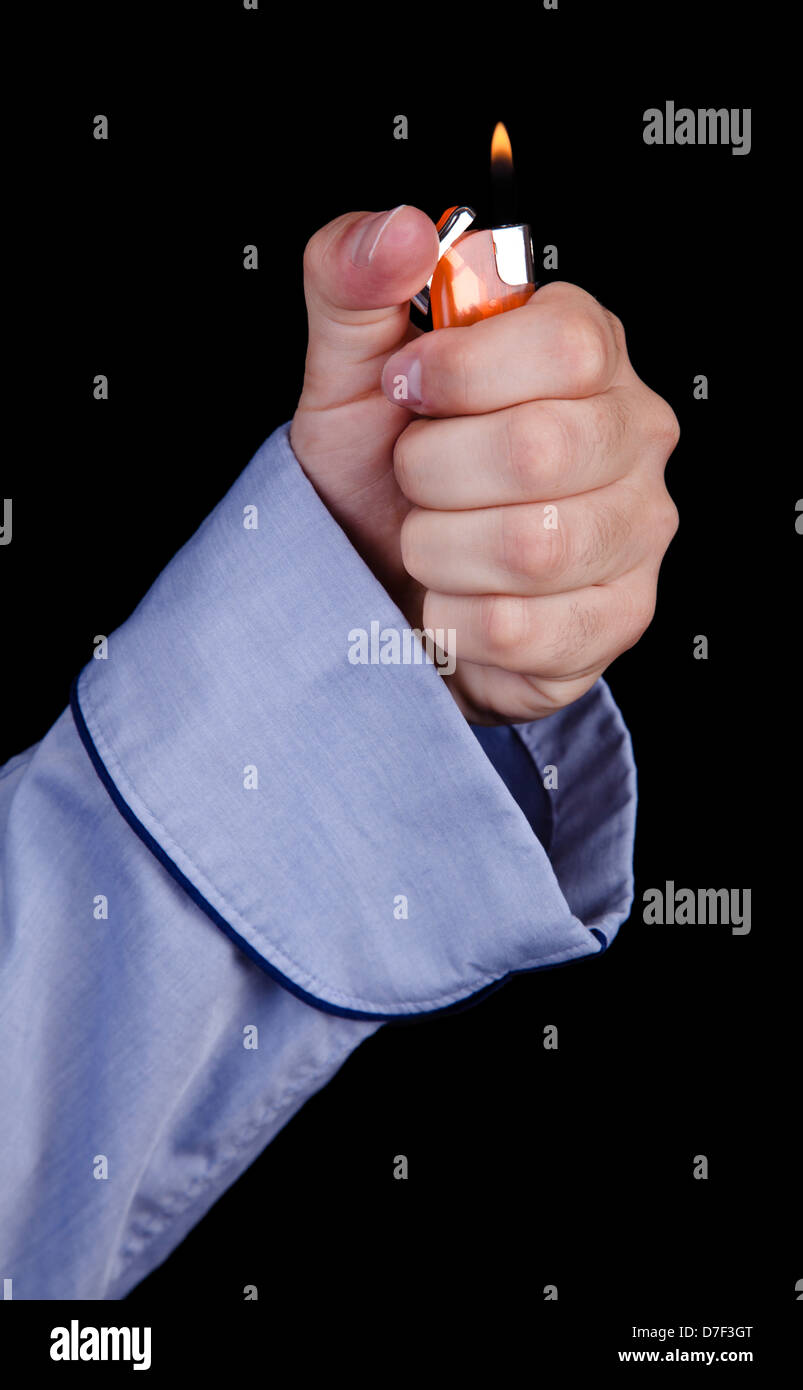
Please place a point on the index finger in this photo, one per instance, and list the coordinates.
(561, 345)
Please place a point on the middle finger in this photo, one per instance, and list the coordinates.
(538, 450)
(534, 549)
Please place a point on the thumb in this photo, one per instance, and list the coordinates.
(360, 271)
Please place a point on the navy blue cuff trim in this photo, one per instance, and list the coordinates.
(248, 950)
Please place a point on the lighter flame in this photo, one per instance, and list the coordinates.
(500, 145)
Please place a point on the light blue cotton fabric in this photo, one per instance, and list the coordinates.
(277, 906)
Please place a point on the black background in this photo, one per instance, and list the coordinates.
(527, 1167)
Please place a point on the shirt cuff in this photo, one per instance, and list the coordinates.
(340, 822)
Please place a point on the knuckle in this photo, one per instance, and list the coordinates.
(586, 349)
(538, 448)
(530, 550)
(504, 626)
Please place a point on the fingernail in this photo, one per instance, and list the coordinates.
(369, 235)
(401, 380)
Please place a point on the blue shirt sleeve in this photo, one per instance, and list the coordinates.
(235, 856)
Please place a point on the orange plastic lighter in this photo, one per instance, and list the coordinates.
(479, 273)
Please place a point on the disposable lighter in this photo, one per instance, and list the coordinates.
(479, 273)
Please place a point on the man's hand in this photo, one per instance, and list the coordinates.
(528, 512)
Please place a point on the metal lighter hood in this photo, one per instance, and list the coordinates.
(494, 261)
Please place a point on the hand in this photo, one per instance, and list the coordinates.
(529, 507)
